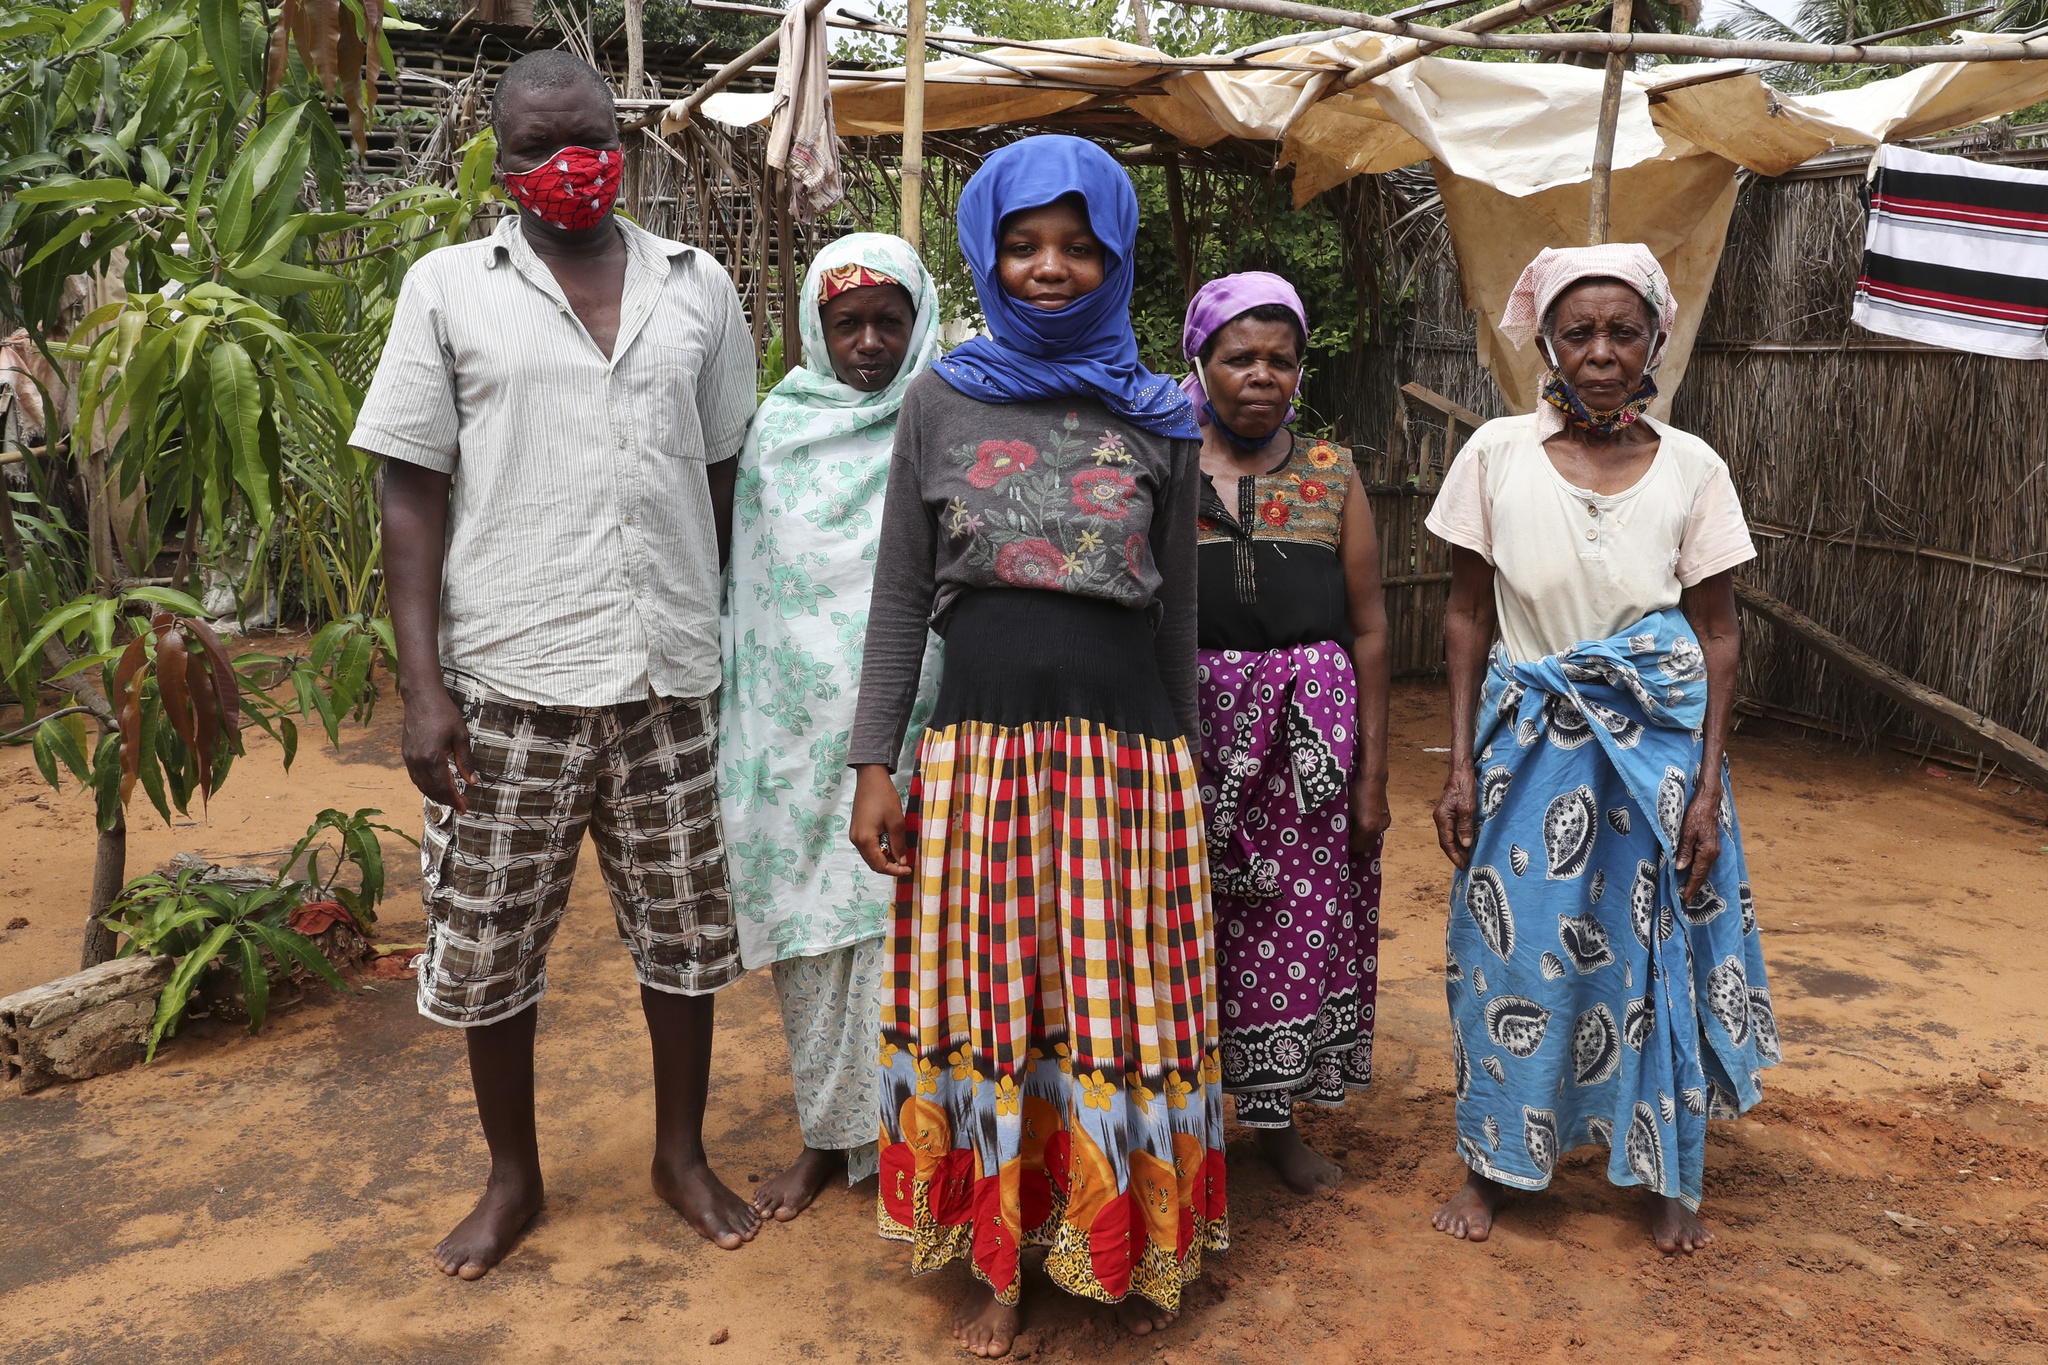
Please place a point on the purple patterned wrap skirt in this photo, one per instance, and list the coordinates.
(1296, 912)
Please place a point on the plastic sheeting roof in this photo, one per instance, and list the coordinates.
(1511, 143)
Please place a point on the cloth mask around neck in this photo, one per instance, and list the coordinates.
(573, 189)
(1559, 394)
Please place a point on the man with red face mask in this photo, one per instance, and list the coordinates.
(558, 409)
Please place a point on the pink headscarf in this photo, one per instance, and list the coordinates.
(1557, 269)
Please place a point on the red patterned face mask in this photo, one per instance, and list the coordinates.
(573, 189)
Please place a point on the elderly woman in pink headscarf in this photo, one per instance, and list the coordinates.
(1292, 676)
(1605, 977)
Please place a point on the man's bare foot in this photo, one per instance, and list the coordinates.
(1468, 1214)
(1142, 1317)
(1674, 1227)
(482, 1239)
(719, 1216)
(783, 1197)
(1302, 1168)
(984, 1327)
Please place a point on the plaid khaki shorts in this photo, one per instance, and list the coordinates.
(641, 778)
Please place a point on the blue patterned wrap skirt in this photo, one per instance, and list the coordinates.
(1589, 1004)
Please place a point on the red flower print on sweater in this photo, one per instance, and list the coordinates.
(995, 461)
(1134, 556)
(1030, 564)
(1105, 492)
(1274, 513)
(1312, 490)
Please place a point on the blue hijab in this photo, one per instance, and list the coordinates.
(1085, 348)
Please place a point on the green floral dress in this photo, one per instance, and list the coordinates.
(797, 616)
(806, 522)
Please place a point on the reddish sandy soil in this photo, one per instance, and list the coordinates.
(274, 1198)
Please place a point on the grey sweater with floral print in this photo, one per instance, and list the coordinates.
(1054, 494)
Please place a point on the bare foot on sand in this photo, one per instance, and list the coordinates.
(1302, 1169)
(719, 1216)
(481, 1240)
(1142, 1317)
(984, 1327)
(1674, 1227)
(783, 1197)
(1468, 1214)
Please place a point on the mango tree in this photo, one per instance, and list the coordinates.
(182, 158)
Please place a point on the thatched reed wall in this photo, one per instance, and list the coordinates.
(1899, 494)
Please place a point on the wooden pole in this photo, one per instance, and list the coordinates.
(913, 125)
(636, 48)
(2021, 48)
(1599, 217)
(2020, 755)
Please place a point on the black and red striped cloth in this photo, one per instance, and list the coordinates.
(1955, 254)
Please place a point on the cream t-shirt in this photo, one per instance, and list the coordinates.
(1572, 565)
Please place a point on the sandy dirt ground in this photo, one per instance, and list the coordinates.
(274, 1198)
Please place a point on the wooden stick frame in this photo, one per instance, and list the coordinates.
(1599, 211)
(2029, 47)
(1486, 21)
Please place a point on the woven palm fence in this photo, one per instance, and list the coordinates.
(1898, 494)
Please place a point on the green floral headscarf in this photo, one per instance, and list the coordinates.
(810, 403)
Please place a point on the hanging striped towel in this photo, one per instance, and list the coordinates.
(1956, 255)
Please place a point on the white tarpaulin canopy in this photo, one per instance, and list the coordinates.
(1508, 141)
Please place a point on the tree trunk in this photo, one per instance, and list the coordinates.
(109, 875)
(1141, 23)
(1177, 219)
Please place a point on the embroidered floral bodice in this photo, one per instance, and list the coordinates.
(1055, 495)
(1271, 576)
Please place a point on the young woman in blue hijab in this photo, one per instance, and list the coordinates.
(1048, 1060)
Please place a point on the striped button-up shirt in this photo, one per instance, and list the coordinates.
(582, 561)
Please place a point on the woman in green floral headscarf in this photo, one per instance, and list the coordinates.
(806, 516)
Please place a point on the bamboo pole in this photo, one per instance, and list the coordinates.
(2032, 47)
(912, 219)
(786, 272)
(1599, 214)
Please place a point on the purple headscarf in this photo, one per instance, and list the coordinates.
(1219, 302)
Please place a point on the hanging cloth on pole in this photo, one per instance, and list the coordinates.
(1956, 255)
(801, 139)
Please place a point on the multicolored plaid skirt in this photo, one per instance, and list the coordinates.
(1049, 1074)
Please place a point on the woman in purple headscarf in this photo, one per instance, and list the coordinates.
(1292, 674)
